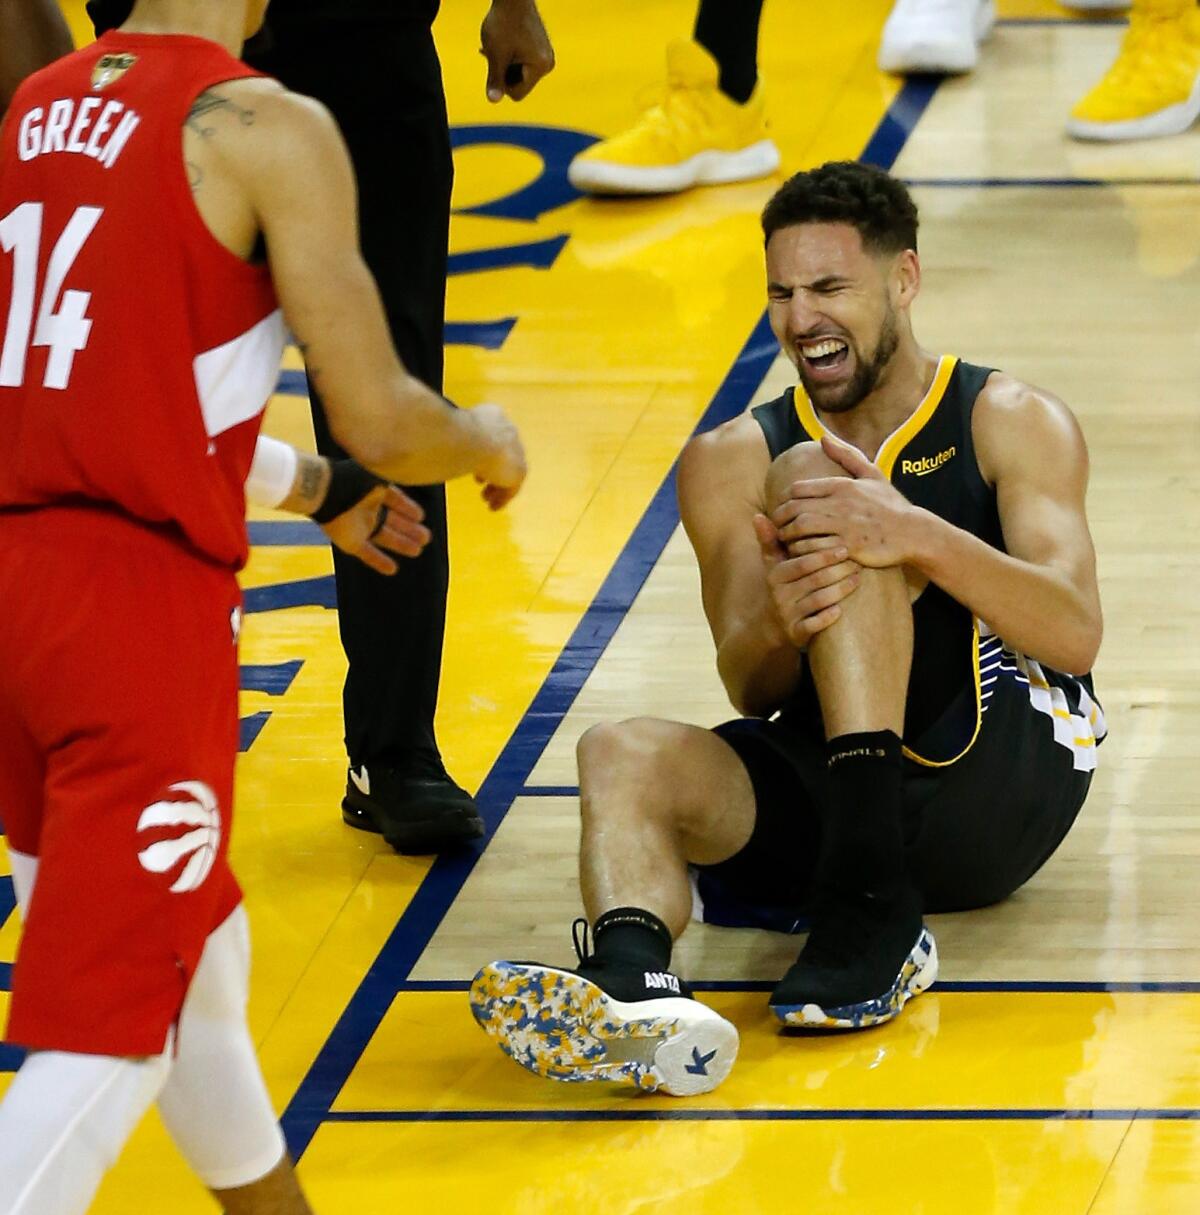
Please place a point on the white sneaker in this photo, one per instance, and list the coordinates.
(561, 1025)
(938, 36)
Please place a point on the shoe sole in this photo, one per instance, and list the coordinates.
(704, 169)
(939, 60)
(918, 973)
(416, 839)
(1173, 120)
(559, 1025)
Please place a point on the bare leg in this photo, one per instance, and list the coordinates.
(861, 663)
(656, 795)
(278, 1193)
(867, 952)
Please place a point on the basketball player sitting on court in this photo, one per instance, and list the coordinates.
(900, 582)
(140, 339)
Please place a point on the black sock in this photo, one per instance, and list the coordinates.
(728, 30)
(864, 839)
(631, 936)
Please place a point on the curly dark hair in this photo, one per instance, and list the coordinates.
(867, 198)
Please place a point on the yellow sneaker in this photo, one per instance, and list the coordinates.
(1153, 86)
(697, 136)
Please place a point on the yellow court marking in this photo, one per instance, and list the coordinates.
(950, 1050)
(1155, 1170)
(716, 1168)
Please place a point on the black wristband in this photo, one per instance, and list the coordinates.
(349, 484)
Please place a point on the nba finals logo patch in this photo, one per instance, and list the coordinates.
(110, 68)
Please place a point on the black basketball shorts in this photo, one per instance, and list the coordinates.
(976, 829)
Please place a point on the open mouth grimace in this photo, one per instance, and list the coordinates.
(826, 355)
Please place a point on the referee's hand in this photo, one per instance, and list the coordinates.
(517, 48)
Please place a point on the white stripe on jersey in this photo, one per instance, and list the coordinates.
(234, 381)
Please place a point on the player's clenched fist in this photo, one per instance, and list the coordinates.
(503, 469)
(807, 580)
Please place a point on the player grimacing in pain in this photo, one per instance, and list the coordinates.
(900, 582)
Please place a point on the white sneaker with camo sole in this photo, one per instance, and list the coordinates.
(561, 1025)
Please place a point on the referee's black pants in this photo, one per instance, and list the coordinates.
(382, 81)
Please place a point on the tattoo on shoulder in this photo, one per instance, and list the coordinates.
(210, 102)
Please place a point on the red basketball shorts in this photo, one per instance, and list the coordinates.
(118, 736)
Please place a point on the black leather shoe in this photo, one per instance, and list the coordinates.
(418, 810)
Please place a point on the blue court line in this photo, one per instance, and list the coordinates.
(337, 1058)
(250, 727)
(691, 1114)
(292, 384)
(5, 975)
(979, 986)
(549, 791)
(489, 335)
(538, 255)
(970, 986)
(897, 124)
(11, 1057)
(1044, 183)
(304, 592)
(274, 678)
(269, 533)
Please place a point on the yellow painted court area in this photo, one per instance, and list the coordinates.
(951, 1051)
(993, 1100)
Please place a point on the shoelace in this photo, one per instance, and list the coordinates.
(580, 931)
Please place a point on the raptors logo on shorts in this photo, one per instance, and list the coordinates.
(185, 827)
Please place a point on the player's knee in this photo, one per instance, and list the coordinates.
(804, 462)
(227, 1132)
(640, 749)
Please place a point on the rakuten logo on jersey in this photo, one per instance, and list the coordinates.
(197, 809)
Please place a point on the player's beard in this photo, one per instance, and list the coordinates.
(867, 372)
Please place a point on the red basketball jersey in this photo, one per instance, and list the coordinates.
(136, 352)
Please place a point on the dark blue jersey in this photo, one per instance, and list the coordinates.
(931, 459)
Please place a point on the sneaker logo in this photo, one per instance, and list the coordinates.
(361, 783)
(661, 980)
(699, 1063)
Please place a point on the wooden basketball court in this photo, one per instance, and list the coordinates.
(1056, 1068)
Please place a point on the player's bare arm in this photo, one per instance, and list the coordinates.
(762, 605)
(1041, 596)
(263, 160)
(32, 34)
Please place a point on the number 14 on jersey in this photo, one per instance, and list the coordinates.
(62, 324)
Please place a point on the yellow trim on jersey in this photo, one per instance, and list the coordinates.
(885, 461)
(807, 415)
(945, 763)
(899, 439)
(896, 442)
